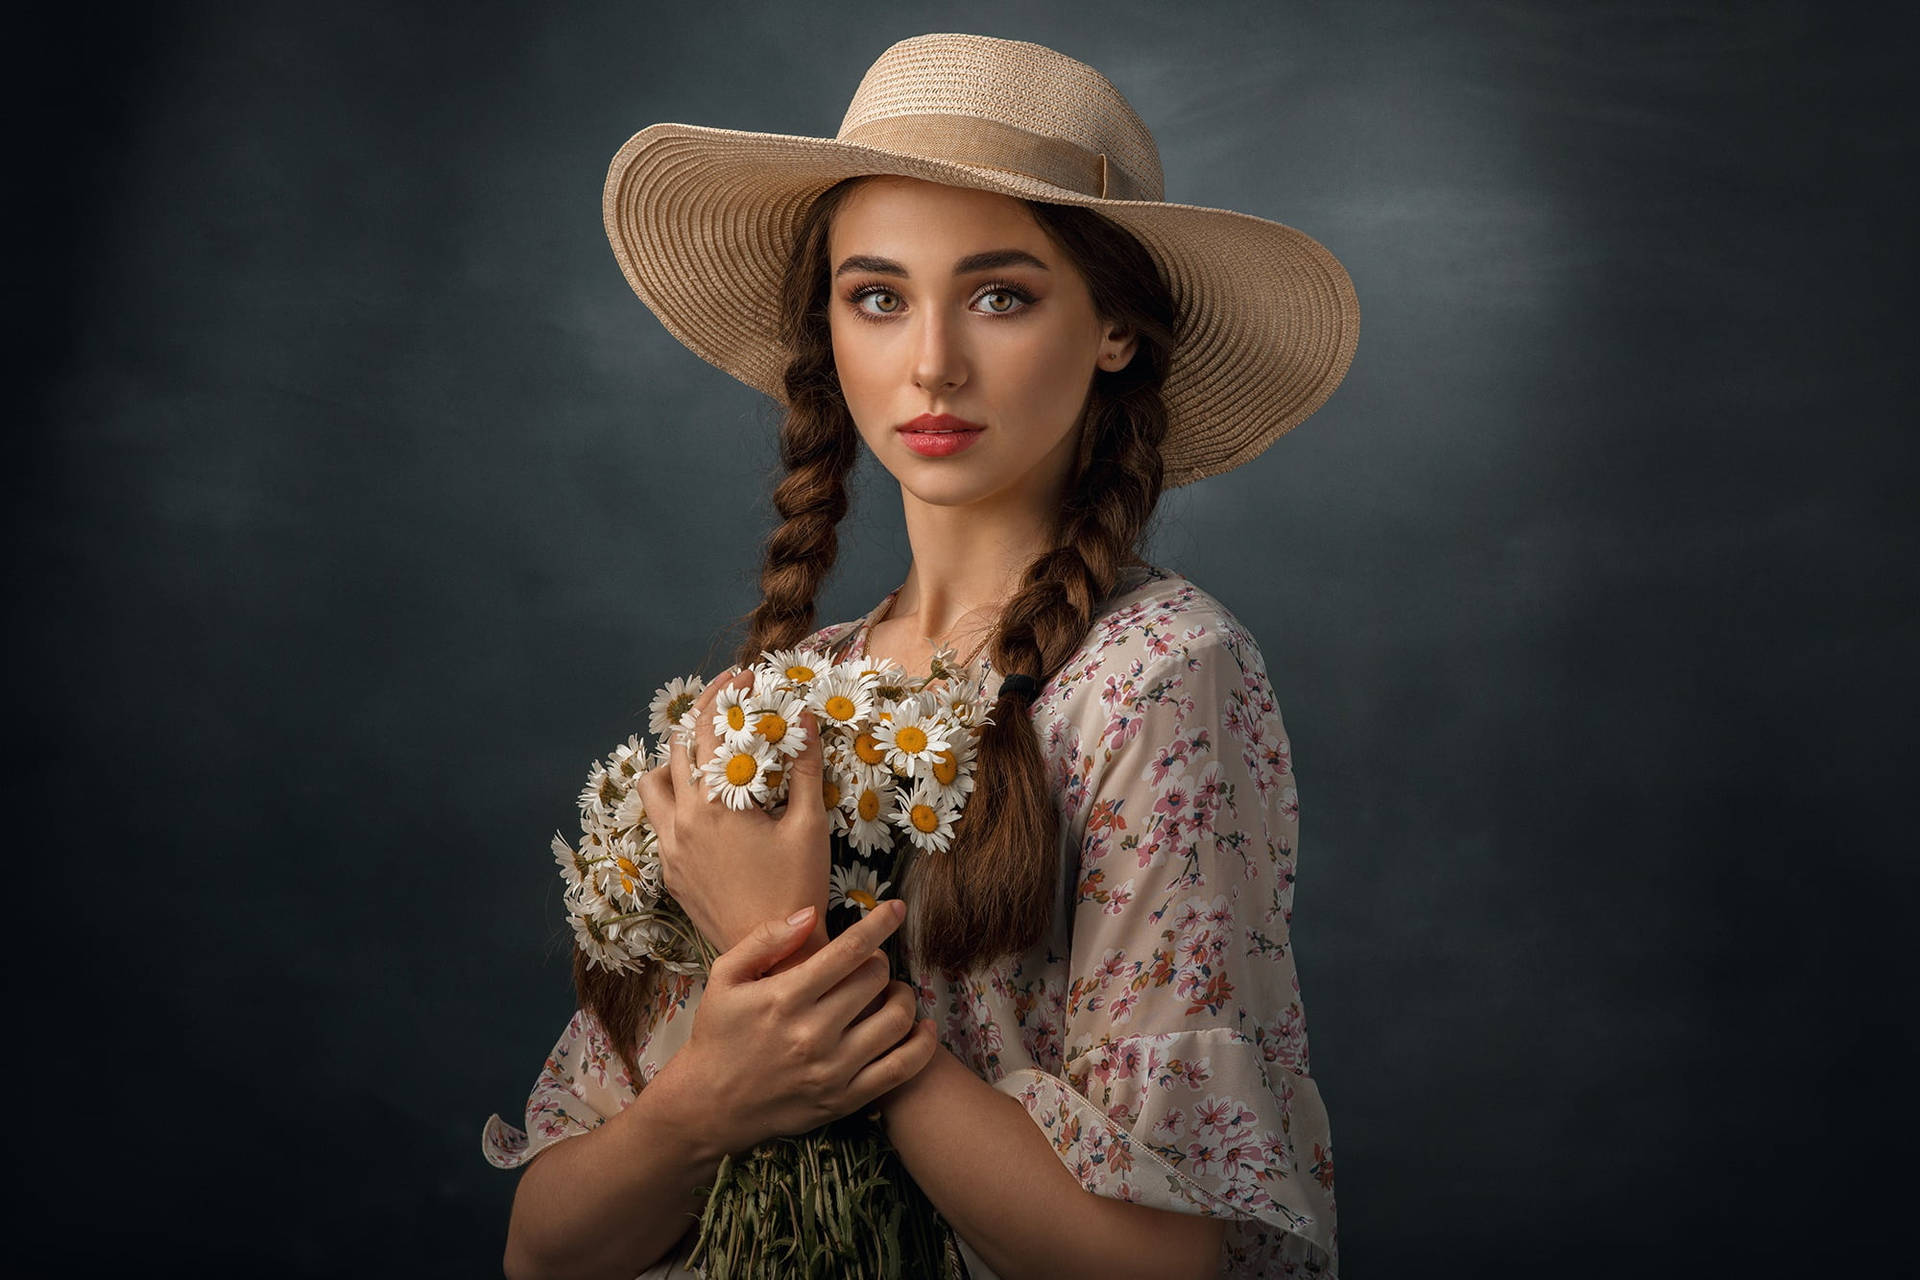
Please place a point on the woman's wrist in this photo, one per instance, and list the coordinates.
(691, 1106)
(744, 918)
(904, 1098)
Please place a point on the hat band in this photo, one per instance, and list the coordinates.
(993, 145)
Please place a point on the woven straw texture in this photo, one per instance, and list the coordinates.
(702, 220)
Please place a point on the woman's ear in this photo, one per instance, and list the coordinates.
(1116, 350)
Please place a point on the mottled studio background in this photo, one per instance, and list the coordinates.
(355, 503)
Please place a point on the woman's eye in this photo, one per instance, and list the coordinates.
(885, 302)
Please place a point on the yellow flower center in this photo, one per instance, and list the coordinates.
(741, 769)
(945, 768)
(911, 739)
(830, 792)
(925, 820)
(798, 672)
(840, 708)
(625, 865)
(678, 707)
(863, 899)
(867, 749)
(736, 717)
(773, 778)
(869, 805)
(772, 727)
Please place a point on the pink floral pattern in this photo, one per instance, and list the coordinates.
(1157, 1034)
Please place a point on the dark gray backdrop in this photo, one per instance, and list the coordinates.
(360, 504)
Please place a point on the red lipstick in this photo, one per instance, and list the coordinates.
(936, 435)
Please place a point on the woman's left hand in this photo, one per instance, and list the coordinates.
(730, 869)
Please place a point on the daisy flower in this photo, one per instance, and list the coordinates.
(629, 813)
(833, 789)
(927, 821)
(776, 721)
(964, 701)
(628, 760)
(882, 671)
(573, 867)
(649, 934)
(856, 886)
(842, 698)
(733, 713)
(911, 738)
(585, 898)
(602, 792)
(796, 668)
(950, 776)
(738, 774)
(673, 701)
(866, 810)
(638, 864)
(867, 751)
(601, 943)
(593, 845)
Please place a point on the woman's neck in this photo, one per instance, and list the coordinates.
(967, 563)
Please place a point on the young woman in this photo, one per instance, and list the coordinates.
(1101, 1065)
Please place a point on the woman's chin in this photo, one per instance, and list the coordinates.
(949, 487)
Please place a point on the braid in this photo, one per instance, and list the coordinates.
(819, 455)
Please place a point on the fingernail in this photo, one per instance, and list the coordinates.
(898, 907)
(800, 917)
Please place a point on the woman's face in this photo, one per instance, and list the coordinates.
(951, 301)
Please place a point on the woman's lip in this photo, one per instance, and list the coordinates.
(938, 444)
(928, 423)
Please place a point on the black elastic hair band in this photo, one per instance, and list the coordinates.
(1020, 686)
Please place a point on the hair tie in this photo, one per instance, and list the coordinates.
(1020, 686)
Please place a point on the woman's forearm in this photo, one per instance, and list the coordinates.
(611, 1202)
(991, 1172)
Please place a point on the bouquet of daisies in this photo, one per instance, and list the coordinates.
(897, 768)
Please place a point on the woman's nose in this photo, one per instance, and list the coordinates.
(939, 364)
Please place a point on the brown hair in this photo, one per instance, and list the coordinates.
(992, 893)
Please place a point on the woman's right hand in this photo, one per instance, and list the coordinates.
(783, 1053)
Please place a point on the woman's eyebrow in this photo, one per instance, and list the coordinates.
(972, 262)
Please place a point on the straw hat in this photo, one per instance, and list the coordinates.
(702, 220)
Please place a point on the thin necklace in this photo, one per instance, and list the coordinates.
(866, 640)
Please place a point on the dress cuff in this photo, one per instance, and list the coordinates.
(1109, 1161)
(549, 1118)
(1102, 1155)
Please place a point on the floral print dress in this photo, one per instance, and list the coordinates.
(1156, 1035)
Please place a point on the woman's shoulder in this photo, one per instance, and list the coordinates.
(830, 637)
(1161, 614)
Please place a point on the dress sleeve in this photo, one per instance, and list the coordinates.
(582, 1084)
(1184, 1074)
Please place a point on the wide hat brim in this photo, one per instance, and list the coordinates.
(702, 220)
